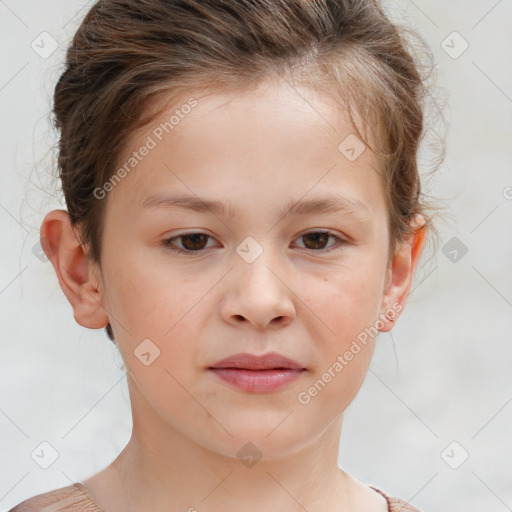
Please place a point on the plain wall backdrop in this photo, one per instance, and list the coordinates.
(432, 421)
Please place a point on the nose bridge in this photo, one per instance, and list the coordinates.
(257, 290)
(259, 264)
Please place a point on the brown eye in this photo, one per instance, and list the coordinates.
(194, 242)
(317, 241)
(191, 242)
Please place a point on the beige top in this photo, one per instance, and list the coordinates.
(76, 498)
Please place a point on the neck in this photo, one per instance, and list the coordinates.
(162, 469)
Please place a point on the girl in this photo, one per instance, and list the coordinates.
(243, 217)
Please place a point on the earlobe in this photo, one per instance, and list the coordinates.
(401, 273)
(69, 259)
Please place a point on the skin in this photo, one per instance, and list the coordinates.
(258, 149)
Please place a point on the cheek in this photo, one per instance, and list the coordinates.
(148, 302)
(346, 300)
(344, 354)
(140, 291)
(346, 307)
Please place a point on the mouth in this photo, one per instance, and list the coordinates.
(257, 374)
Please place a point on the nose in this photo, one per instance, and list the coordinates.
(258, 294)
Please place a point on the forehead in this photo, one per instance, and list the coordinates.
(271, 138)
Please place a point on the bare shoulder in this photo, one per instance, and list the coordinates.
(65, 499)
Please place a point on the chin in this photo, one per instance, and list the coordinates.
(260, 441)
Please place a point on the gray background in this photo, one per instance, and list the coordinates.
(442, 375)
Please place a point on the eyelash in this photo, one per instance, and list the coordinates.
(168, 243)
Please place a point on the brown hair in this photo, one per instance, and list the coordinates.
(125, 52)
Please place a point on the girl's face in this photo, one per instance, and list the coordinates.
(278, 243)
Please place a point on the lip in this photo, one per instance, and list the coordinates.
(269, 361)
(257, 374)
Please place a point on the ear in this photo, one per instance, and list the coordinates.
(78, 276)
(400, 274)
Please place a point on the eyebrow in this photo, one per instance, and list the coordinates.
(326, 204)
